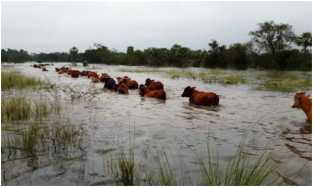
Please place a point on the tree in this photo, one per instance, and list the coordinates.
(73, 54)
(4, 56)
(216, 55)
(237, 56)
(304, 41)
(272, 37)
(130, 50)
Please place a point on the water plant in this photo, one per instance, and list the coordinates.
(241, 170)
(214, 76)
(141, 70)
(19, 81)
(15, 108)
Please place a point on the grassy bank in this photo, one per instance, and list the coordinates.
(17, 80)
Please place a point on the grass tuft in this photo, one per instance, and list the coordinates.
(240, 171)
(20, 108)
(16, 108)
(124, 170)
(16, 80)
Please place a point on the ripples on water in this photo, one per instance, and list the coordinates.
(173, 126)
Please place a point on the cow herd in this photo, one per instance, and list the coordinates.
(151, 88)
(155, 89)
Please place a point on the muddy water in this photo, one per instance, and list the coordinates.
(114, 122)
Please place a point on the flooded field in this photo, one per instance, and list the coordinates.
(103, 124)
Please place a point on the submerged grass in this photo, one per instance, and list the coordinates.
(284, 82)
(19, 81)
(241, 170)
(214, 76)
(39, 139)
(18, 108)
(166, 174)
(269, 80)
(30, 140)
(140, 70)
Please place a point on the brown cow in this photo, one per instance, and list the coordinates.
(154, 85)
(62, 70)
(305, 103)
(74, 73)
(131, 84)
(92, 74)
(83, 73)
(201, 98)
(159, 94)
(95, 79)
(103, 77)
(121, 88)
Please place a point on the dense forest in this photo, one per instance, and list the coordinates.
(272, 46)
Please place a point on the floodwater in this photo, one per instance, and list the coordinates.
(112, 123)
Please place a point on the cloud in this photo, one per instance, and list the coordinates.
(57, 26)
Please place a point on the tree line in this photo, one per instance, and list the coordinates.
(272, 46)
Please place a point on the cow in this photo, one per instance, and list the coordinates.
(201, 98)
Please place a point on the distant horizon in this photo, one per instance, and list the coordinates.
(57, 26)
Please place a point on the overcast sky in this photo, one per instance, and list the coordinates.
(57, 26)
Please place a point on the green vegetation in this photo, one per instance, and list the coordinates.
(20, 108)
(166, 175)
(284, 81)
(126, 169)
(241, 170)
(141, 70)
(29, 140)
(286, 85)
(16, 80)
(16, 108)
(38, 139)
(215, 76)
(272, 46)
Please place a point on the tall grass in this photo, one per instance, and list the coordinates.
(285, 85)
(30, 140)
(166, 174)
(126, 169)
(18, 108)
(215, 76)
(40, 139)
(17, 80)
(240, 171)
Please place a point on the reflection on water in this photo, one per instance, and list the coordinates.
(174, 126)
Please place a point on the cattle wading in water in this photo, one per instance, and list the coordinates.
(201, 98)
(304, 102)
